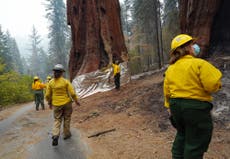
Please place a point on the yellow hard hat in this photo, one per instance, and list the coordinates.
(36, 77)
(179, 40)
(48, 77)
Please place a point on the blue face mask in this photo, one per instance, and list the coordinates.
(196, 49)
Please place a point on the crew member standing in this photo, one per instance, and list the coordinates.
(188, 85)
(116, 74)
(38, 87)
(60, 94)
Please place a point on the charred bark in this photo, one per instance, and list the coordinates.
(196, 19)
(220, 32)
(97, 37)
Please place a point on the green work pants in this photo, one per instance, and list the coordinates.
(117, 81)
(62, 113)
(194, 128)
(39, 99)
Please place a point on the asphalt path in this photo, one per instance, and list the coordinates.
(67, 149)
(26, 135)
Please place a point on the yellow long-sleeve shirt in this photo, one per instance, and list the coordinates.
(116, 69)
(191, 78)
(37, 85)
(60, 92)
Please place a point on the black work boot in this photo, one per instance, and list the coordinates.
(67, 136)
(55, 140)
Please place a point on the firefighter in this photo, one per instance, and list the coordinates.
(116, 74)
(48, 78)
(59, 95)
(38, 87)
(188, 85)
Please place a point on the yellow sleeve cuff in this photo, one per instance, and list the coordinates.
(166, 104)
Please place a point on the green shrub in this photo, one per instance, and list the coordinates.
(15, 89)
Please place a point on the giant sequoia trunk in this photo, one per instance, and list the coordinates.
(97, 37)
(208, 20)
(220, 32)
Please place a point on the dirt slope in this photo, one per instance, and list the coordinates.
(142, 129)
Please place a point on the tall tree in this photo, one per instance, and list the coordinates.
(126, 19)
(58, 31)
(34, 61)
(126, 16)
(96, 35)
(14, 54)
(5, 51)
(197, 17)
(146, 14)
(170, 26)
(45, 68)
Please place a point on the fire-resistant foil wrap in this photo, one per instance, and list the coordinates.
(99, 81)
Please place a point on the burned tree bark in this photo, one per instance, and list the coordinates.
(97, 37)
(196, 19)
(220, 32)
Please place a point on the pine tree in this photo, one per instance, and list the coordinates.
(146, 16)
(5, 52)
(170, 25)
(14, 54)
(34, 61)
(58, 31)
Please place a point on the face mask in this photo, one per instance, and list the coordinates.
(196, 49)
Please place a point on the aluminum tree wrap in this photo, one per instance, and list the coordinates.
(97, 37)
(97, 41)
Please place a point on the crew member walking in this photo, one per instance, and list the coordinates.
(188, 85)
(38, 87)
(59, 94)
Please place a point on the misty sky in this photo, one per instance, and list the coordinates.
(18, 16)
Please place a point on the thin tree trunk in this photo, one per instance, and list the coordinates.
(157, 33)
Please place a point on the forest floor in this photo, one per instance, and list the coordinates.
(135, 118)
(139, 122)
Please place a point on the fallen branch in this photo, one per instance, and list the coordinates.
(94, 114)
(102, 132)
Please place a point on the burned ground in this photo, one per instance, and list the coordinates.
(140, 122)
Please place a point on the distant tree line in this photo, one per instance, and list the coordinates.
(40, 62)
(149, 26)
(15, 86)
(16, 72)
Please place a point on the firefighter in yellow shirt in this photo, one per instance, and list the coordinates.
(38, 87)
(188, 85)
(48, 78)
(60, 94)
(116, 74)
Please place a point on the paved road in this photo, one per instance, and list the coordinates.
(5, 124)
(67, 149)
(26, 135)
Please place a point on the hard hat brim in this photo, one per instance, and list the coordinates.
(58, 70)
(193, 40)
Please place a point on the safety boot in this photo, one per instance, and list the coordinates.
(55, 140)
(67, 136)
